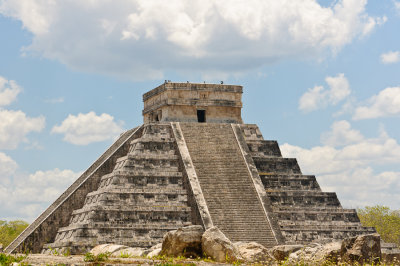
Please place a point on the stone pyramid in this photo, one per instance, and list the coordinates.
(193, 161)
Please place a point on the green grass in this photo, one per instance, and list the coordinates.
(6, 260)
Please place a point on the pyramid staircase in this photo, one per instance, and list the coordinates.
(226, 183)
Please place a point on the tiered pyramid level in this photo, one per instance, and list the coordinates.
(305, 213)
(135, 204)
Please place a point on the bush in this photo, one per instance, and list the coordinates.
(90, 257)
(6, 260)
(385, 221)
(10, 230)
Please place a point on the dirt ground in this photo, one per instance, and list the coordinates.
(39, 259)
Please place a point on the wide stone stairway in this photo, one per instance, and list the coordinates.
(232, 200)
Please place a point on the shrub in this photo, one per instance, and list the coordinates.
(90, 257)
(9, 259)
(10, 230)
(385, 221)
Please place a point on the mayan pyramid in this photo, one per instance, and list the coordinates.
(193, 161)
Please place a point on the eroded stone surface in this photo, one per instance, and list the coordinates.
(217, 246)
(107, 248)
(185, 241)
(253, 252)
(282, 252)
(362, 249)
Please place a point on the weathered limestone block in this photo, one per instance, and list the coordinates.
(107, 248)
(316, 254)
(362, 249)
(391, 256)
(253, 252)
(217, 246)
(283, 251)
(154, 250)
(186, 241)
(131, 252)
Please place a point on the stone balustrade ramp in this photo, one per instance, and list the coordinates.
(58, 214)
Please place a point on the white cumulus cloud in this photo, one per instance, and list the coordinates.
(318, 97)
(386, 103)
(143, 38)
(15, 125)
(351, 169)
(390, 57)
(7, 166)
(9, 91)
(341, 134)
(87, 128)
(29, 194)
(397, 6)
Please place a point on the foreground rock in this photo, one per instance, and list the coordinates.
(316, 253)
(390, 253)
(282, 252)
(253, 252)
(129, 252)
(107, 248)
(185, 241)
(218, 247)
(362, 249)
(153, 251)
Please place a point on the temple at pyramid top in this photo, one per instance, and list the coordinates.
(193, 102)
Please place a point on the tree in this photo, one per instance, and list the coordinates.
(10, 230)
(385, 221)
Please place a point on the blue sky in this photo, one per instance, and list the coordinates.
(320, 77)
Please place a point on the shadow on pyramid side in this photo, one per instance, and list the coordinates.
(193, 161)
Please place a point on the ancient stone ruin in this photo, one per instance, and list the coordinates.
(192, 162)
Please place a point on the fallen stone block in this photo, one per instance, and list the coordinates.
(153, 251)
(282, 252)
(129, 252)
(217, 246)
(107, 248)
(362, 249)
(317, 253)
(185, 241)
(253, 252)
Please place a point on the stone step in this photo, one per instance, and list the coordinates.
(153, 139)
(303, 198)
(277, 165)
(142, 173)
(264, 148)
(303, 236)
(280, 182)
(319, 224)
(152, 190)
(146, 225)
(251, 132)
(128, 209)
(119, 182)
(318, 215)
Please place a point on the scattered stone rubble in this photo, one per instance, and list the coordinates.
(193, 242)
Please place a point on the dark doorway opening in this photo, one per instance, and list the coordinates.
(201, 116)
